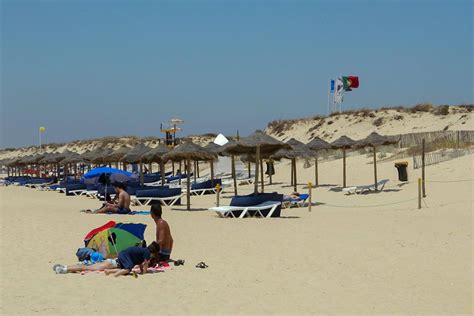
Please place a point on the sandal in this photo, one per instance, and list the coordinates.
(202, 265)
(179, 262)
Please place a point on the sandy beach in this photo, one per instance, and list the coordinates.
(339, 258)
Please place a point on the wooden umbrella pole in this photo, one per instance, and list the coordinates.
(172, 167)
(257, 158)
(195, 170)
(291, 172)
(162, 173)
(296, 179)
(270, 170)
(180, 172)
(212, 172)
(150, 167)
(188, 186)
(261, 174)
(141, 173)
(250, 170)
(234, 177)
(343, 167)
(375, 168)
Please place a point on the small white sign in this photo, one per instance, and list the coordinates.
(221, 140)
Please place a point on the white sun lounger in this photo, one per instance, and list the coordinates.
(165, 201)
(365, 188)
(228, 211)
(203, 191)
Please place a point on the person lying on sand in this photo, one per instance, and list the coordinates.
(163, 233)
(122, 206)
(122, 265)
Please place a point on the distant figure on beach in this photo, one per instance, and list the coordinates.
(163, 233)
(122, 265)
(293, 195)
(122, 206)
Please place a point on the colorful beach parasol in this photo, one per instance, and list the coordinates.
(112, 238)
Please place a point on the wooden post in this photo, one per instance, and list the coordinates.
(343, 167)
(172, 168)
(257, 158)
(423, 166)
(162, 173)
(250, 170)
(180, 173)
(188, 185)
(270, 169)
(375, 168)
(310, 193)
(141, 173)
(261, 175)
(197, 168)
(234, 177)
(218, 192)
(195, 171)
(150, 168)
(295, 186)
(292, 171)
(419, 193)
(316, 180)
(212, 172)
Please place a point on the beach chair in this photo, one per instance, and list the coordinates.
(247, 211)
(298, 202)
(365, 188)
(166, 196)
(206, 187)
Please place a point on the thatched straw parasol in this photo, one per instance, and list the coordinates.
(297, 150)
(116, 155)
(262, 145)
(187, 152)
(343, 143)
(93, 154)
(156, 155)
(135, 156)
(317, 145)
(374, 140)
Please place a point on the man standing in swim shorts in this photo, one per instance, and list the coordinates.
(163, 233)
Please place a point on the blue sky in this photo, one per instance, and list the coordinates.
(90, 68)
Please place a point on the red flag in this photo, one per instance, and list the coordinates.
(354, 81)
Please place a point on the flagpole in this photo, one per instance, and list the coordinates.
(329, 93)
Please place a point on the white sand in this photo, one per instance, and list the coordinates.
(387, 259)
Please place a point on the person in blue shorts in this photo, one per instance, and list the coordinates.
(123, 265)
(122, 206)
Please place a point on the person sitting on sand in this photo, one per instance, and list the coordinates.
(163, 233)
(123, 265)
(122, 206)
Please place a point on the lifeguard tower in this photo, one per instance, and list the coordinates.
(170, 130)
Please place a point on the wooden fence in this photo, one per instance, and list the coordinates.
(440, 156)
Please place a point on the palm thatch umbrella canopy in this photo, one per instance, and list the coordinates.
(316, 145)
(343, 143)
(297, 150)
(136, 153)
(374, 140)
(259, 143)
(93, 154)
(156, 155)
(72, 157)
(100, 158)
(135, 156)
(188, 151)
(116, 155)
(214, 148)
